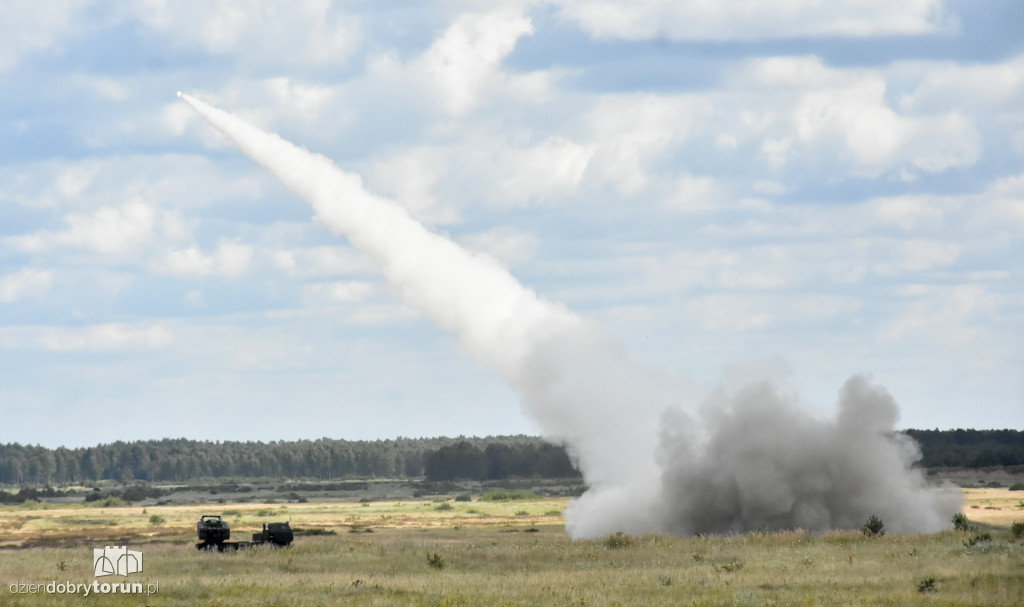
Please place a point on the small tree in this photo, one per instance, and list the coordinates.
(874, 527)
(960, 522)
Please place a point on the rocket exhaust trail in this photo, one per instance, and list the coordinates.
(492, 313)
(547, 354)
(748, 459)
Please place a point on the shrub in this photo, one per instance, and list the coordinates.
(874, 527)
(960, 522)
(435, 561)
(266, 512)
(978, 538)
(444, 506)
(1017, 529)
(463, 497)
(1017, 487)
(617, 540)
(156, 519)
(502, 496)
(927, 585)
(315, 531)
(730, 566)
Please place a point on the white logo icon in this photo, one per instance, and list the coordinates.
(116, 560)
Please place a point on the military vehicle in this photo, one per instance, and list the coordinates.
(212, 529)
(214, 533)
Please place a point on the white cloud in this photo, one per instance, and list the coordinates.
(975, 87)
(25, 283)
(907, 212)
(729, 313)
(343, 292)
(321, 261)
(28, 27)
(945, 314)
(231, 259)
(743, 20)
(465, 59)
(300, 32)
(107, 230)
(628, 132)
(507, 245)
(94, 338)
(696, 194)
(918, 255)
(551, 168)
(410, 177)
(168, 181)
(844, 113)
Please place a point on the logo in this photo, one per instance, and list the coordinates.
(116, 560)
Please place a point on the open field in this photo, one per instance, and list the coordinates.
(503, 553)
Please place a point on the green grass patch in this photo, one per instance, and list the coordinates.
(506, 496)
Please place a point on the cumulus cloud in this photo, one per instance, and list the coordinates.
(844, 113)
(167, 181)
(299, 33)
(230, 259)
(26, 283)
(94, 338)
(466, 57)
(551, 168)
(106, 230)
(696, 194)
(28, 28)
(320, 261)
(507, 245)
(410, 177)
(950, 315)
(980, 87)
(629, 131)
(740, 20)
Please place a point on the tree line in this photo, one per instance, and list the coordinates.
(492, 457)
(180, 460)
(970, 448)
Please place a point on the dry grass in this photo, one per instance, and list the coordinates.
(493, 556)
(997, 507)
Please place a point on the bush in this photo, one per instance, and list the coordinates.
(463, 497)
(502, 496)
(927, 585)
(874, 527)
(156, 519)
(977, 538)
(314, 531)
(1017, 487)
(1017, 529)
(960, 522)
(444, 506)
(435, 561)
(617, 540)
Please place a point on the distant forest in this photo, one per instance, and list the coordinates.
(179, 460)
(493, 457)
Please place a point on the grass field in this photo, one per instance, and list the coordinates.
(426, 552)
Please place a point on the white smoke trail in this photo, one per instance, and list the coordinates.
(648, 465)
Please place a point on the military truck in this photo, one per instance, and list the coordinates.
(214, 533)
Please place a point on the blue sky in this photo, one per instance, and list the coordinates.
(790, 189)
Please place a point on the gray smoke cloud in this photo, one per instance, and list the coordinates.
(653, 459)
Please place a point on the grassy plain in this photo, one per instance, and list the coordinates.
(422, 552)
